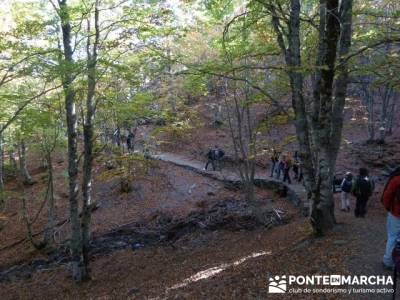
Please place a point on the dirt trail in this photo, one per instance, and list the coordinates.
(360, 243)
(365, 238)
(367, 241)
(296, 191)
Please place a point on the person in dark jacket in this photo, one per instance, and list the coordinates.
(274, 162)
(130, 141)
(286, 169)
(362, 189)
(300, 179)
(213, 155)
(280, 166)
(296, 165)
(346, 187)
(391, 201)
(117, 136)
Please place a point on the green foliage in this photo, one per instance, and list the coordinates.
(218, 9)
(137, 107)
(127, 166)
(195, 85)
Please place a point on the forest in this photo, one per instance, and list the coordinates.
(199, 149)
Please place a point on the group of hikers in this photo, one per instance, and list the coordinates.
(129, 138)
(283, 164)
(214, 156)
(362, 187)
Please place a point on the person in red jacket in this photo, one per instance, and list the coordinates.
(391, 202)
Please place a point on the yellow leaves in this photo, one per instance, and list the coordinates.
(132, 166)
(289, 139)
(281, 119)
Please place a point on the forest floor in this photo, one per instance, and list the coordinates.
(233, 264)
(214, 262)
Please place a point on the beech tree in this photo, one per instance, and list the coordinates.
(319, 119)
(68, 64)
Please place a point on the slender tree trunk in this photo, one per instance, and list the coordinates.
(391, 115)
(88, 139)
(384, 117)
(11, 156)
(49, 232)
(370, 104)
(2, 200)
(371, 117)
(319, 125)
(28, 223)
(26, 177)
(170, 95)
(78, 268)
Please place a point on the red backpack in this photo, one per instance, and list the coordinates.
(392, 204)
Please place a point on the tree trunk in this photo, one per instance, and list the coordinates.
(49, 231)
(88, 139)
(78, 268)
(369, 102)
(170, 96)
(384, 117)
(28, 223)
(13, 162)
(391, 115)
(319, 125)
(2, 200)
(26, 177)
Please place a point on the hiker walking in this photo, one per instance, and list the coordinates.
(274, 161)
(130, 141)
(346, 186)
(391, 201)
(296, 165)
(213, 156)
(300, 178)
(117, 136)
(286, 169)
(280, 167)
(362, 189)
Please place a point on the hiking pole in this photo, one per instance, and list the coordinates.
(394, 283)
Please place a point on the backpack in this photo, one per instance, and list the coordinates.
(215, 154)
(220, 154)
(210, 154)
(363, 187)
(347, 185)
(395, 173)
(396, 197)
(287, 164)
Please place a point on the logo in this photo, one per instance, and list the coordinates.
(277, 285)
(335, 280)
(338, 284)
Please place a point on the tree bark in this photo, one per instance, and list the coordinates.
(26, 177)
(78, 268)
(49, 231)
(370, 104)
(88, 138)
(384, 116)
(319, 124)
(11, 156)
(2, 200)
(392, 114)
